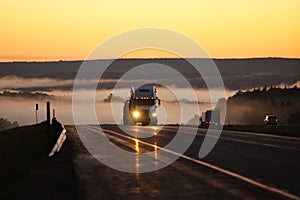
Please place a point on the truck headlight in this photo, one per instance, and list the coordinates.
(154, 114)
(136, 114)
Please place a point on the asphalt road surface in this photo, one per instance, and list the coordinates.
(240, 166)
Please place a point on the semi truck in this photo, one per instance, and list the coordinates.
(142, 106)
(211, 117)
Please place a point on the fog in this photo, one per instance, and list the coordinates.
(180, 108)
(23, 111)
(172, 110)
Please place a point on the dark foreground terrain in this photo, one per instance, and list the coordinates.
(241, 166)
(26, 172)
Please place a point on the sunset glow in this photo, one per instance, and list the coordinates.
(69, 30)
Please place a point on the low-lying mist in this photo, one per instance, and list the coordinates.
(23, 111)
(18, 97)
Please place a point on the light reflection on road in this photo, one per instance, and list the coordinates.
(137, 145)
(141, 131)
(155, 150)
(150, 131)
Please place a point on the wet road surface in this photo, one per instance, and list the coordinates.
(240, 166)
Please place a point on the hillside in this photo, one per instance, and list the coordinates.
(250, 107)
(236, 73)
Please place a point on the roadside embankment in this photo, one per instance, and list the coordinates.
(26, 171)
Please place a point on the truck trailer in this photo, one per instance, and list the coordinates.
(212, 117)
(142, 106)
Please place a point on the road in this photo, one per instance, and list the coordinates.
(240, 166)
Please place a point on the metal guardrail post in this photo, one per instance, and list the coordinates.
(48, 113)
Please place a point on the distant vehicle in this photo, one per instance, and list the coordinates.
(212, 117)
(142, 106)
(271, 119)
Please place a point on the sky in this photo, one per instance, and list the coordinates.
(40, 30)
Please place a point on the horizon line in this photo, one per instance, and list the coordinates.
(153, 58)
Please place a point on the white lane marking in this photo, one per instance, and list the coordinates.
(224, 171)
(265, 135)
(254, 143)
(226, 137)
(295, 139)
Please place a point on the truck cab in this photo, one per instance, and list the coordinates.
(142, 106)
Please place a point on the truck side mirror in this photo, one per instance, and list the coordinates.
(157, 102)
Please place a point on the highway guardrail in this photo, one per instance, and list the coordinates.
(62, 137)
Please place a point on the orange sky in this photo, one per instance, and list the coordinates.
(70, 29)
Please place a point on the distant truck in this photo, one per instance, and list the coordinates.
(211, 117)
(142, 106)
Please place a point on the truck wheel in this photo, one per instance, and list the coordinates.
(153, 123)
(145, 123)
(126, 117)
(127, 120)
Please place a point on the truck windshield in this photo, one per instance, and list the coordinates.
(145, 102)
